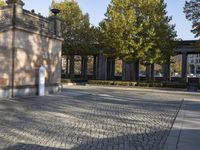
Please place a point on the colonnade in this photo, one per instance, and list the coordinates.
(104, 68)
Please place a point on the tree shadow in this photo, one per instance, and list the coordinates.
(143, 141)
(23, 146)
(86, 121)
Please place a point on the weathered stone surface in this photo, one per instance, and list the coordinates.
(130, 71)
(27, 41)
(101, 66)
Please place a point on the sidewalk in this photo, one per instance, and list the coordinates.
(185, 133)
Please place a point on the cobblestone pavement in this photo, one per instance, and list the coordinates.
(88, 118)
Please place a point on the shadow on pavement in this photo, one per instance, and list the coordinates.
(87, 121)
(22, 146)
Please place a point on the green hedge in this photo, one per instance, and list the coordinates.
(175, 84)
(141, 84)
(127, 83)
(107, 82)
(124, 83)
(100, 82)
(66, 81)
(152, 84)
(73, 80)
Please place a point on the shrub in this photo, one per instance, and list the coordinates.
(127, 83)
(150, 84)
(100, 82)
(107, 82)
(66, 81)
(175, 84)
(141, 84)
(124, 83)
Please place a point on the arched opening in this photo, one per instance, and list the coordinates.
(118, 69)
(90, 68)
(77, 66)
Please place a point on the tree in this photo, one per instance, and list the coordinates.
(2, 3)
(192, 12)
(78, 34)
(138, 29)
(164, 40)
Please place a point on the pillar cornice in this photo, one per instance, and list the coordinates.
(10, 2)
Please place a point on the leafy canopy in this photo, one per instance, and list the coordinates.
(2, 3)
(137, 29)
(78, 34)
(192, 12)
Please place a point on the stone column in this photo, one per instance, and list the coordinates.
(67, 67)
(136, 70)
(94, 66)
(84, 67)
(166, 71)
(125, 71)
(152, 72)
(130, 71)
(184, 67)
(71, 68)
(58, 27)
(148, 72)
(110, 69)
(101, 67)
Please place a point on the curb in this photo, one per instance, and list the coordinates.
(175, 132)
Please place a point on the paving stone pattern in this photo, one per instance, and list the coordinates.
(92, 119)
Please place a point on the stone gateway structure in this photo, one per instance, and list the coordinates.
(28, 41)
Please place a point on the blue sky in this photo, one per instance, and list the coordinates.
(97, 9)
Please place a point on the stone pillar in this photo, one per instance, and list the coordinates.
(58, 27)
(110, 69)
(130, 71)
(101, 67)
(136, 70)
(94, 66)
(148, 72)
(184, 67)
(152, 72)
(84, 67)
(125, 71)
(17, 6)
(71, 67)
(166, 71)
(67, 67)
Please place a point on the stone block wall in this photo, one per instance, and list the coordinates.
(5, 58)
(27, 41)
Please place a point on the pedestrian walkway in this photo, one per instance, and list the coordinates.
(185, 133)
(87, 118)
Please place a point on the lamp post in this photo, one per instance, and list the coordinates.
(55, 11)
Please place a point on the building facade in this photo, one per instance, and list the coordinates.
(194, 65)
(28, 41)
